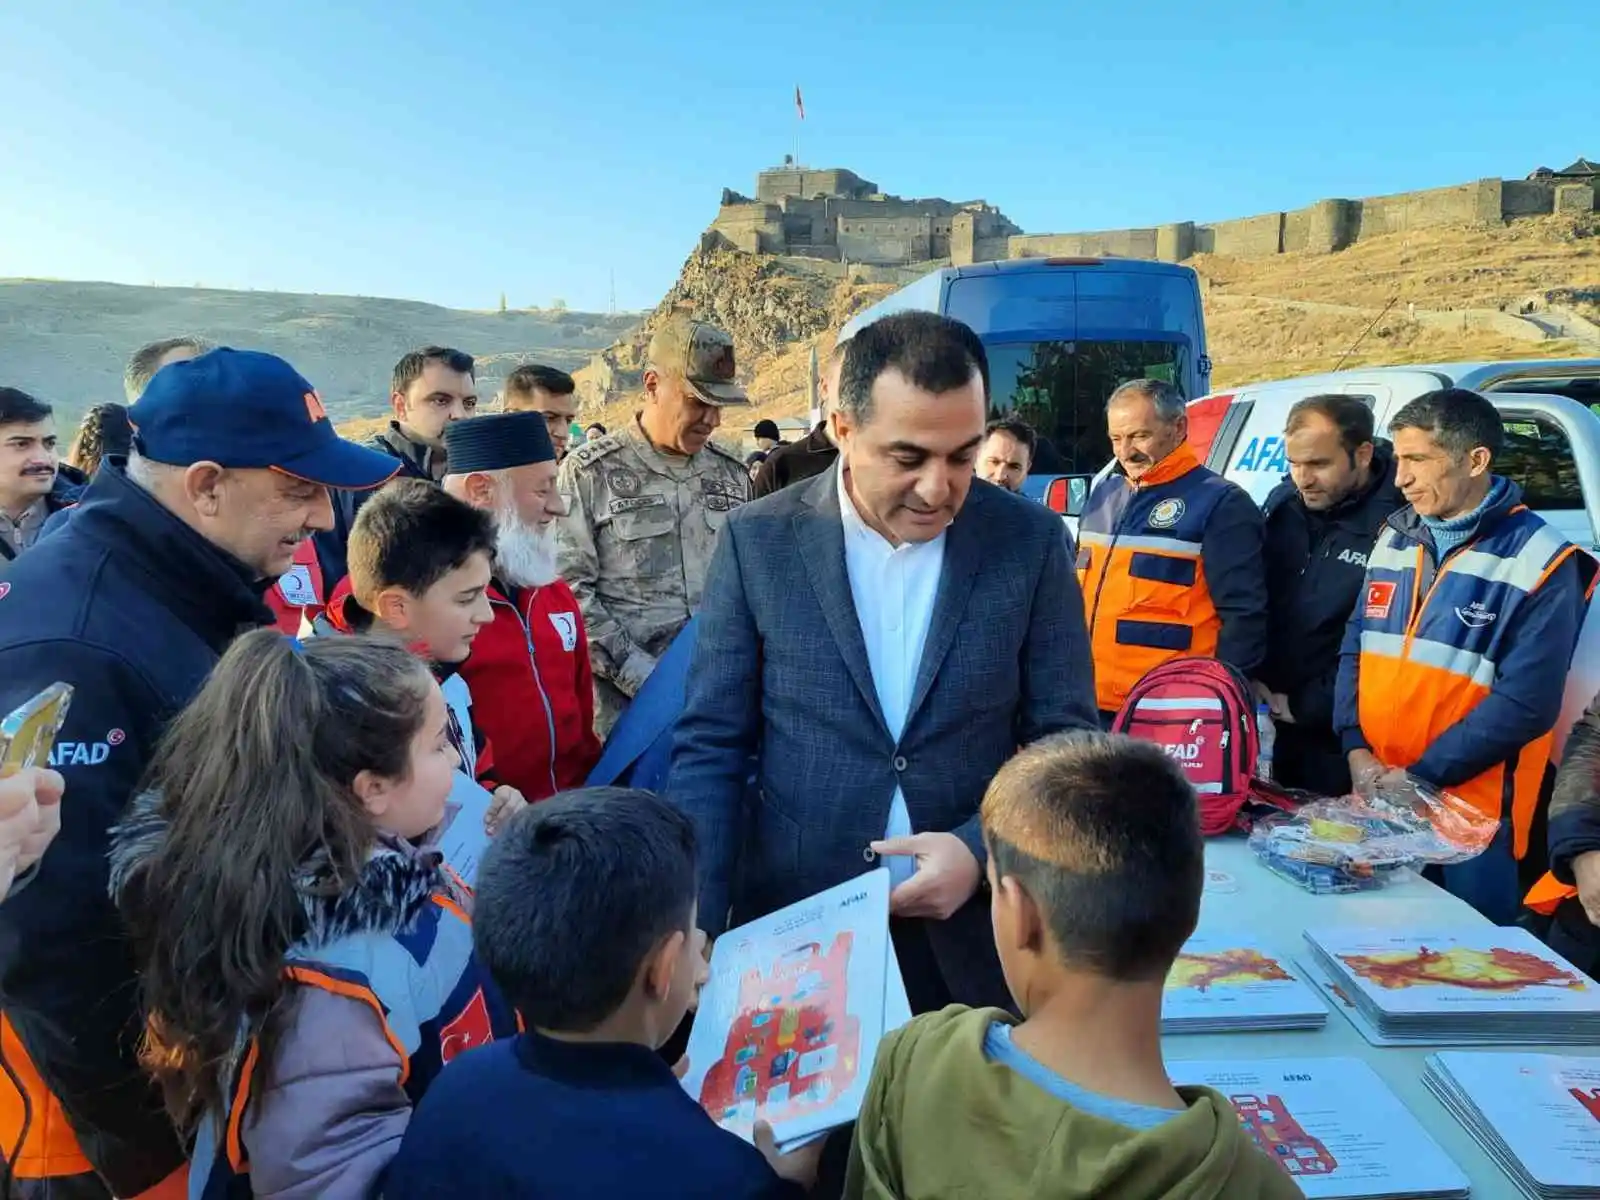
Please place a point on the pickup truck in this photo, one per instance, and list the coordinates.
(1551, 410)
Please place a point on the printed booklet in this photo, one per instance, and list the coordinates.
(1223, 983)
(1537, 1115)
(790, 1019)
(1333, 1126)
(1455, 986)
(461, 836)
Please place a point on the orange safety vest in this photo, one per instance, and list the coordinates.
(50, 1150)
(1548, 895)
(1141, 572)
(1429, 660)
(299, 591)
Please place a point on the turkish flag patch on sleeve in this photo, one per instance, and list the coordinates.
(1380, 598)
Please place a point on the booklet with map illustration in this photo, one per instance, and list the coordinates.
(789, 1022)
(1479, 984)
(1332, 1125)
(1537, 1115)
(1222, 983)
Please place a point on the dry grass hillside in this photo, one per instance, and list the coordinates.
(1455, 293)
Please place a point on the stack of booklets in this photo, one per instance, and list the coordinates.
(790, 1020)
(1332, 1125)
(1537, 1115)
(1222, 983)
(1464, 986)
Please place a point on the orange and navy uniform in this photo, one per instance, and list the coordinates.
(1170, 565)
(1574, 815)
(1454, 670)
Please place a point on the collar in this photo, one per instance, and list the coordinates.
(856, 528)
(1504, 497)
(619, 1064)
(426, 455)
(207, 588)
(660, 460)
(1174, 466)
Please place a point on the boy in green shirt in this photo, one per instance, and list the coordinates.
(1096, 868)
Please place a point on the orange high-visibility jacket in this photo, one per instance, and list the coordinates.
(1152, 562)
(1574, 812)
(1432, 645)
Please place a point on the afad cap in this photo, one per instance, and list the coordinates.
(247, 410)
(704, 355)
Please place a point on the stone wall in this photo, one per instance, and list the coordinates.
(885, 240)
(1321, 228)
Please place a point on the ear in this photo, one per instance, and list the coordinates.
(1017, 917)
(480, 490)
(397, 404)
(373, 791)
(1182, 424)
(1478, 461)
(202, 484)
(840, 427)
(392, 606)
(661, 967)
(1363, 456)
(651, 381)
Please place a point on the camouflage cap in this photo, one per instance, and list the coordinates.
(703, 354)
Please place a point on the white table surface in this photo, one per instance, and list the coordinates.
(1274, 912)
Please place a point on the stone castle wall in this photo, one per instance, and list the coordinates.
(1321, 228)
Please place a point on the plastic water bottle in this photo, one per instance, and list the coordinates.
(1268, 733)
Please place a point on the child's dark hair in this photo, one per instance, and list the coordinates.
(255, 780)
(410, 535)
(1103, 832)
(574, 893)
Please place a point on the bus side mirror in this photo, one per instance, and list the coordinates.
(1068, 494)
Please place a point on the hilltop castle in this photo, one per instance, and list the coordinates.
(836, 215)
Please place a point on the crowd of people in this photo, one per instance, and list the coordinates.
(698, 687)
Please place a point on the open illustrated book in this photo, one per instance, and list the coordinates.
(790, 1020)
(461, 836)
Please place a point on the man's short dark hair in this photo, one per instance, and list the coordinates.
(1348, 414)
(572, 896)
(410, 535)
(1102, 831)
(532, 377)
(19, 408)
(766, 428)
(1014, 427)
(588, 429)
(935, 353)
(409, 369)
(1459, 420)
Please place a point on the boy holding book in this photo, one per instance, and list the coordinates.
(585, 918)
(1096, 866)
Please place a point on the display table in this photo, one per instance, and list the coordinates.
(1273, 912)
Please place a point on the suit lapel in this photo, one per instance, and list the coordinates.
(962, 551)
(820, 536)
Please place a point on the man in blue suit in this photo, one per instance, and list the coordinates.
(881, 639)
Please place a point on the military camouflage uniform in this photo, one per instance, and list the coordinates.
(635, 546)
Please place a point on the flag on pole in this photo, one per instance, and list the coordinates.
(799, 103)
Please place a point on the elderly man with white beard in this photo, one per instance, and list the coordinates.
(532, 686)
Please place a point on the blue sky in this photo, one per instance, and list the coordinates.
(451, 152)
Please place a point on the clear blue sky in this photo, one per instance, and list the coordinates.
(451, 151)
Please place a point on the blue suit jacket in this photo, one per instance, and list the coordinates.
(780, 672)
(639, 749)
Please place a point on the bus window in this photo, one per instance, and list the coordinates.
(1061, 388)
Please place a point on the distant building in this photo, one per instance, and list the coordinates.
(835, 214)
(1582, 171)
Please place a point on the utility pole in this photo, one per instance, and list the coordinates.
(812, 398)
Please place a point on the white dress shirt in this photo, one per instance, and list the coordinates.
(893, 588)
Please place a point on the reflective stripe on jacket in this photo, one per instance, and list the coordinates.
(1140, 567)
(1431, 652)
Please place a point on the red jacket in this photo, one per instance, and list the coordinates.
(533, 690)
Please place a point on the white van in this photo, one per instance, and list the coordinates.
(1552, 450)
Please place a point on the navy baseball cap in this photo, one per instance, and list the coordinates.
(248, 410)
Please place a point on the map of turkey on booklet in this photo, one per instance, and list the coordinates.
(1221, 981)
(789, 1022)
(1448, 971)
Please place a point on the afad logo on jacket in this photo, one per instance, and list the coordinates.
(85, 754)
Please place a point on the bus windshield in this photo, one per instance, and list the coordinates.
(1060, 388)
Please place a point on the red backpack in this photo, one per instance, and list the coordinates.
(1201, 712)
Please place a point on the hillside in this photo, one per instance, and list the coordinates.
(1465, 292)
(67, 342)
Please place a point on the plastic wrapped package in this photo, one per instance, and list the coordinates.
(1357, 843)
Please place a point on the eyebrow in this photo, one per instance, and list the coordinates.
(913, 448)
